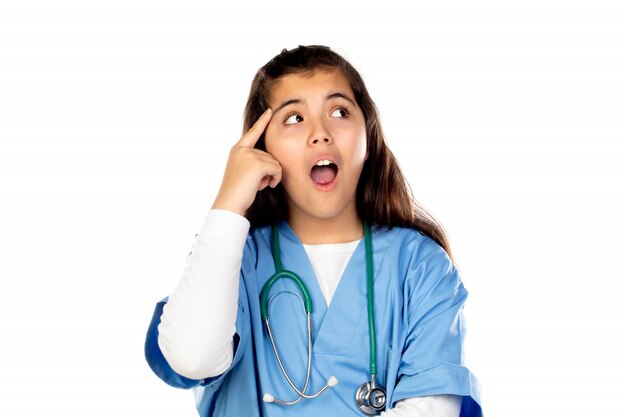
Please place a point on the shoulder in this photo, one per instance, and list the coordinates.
(424, 267)
(259, 236)
(413, 245)
(257, 242)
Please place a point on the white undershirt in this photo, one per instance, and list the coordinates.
(329, 261)
(197, 347)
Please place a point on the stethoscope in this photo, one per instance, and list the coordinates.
(369, 398)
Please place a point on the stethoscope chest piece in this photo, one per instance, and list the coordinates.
(371, 400)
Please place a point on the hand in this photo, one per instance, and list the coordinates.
(248, 170)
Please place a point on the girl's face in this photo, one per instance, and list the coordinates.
(318, 135)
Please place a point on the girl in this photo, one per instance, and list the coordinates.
(316, 286)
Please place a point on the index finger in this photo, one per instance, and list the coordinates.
(250, 138)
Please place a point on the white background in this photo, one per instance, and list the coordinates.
(116, 118)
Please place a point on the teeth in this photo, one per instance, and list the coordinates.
(323, 162)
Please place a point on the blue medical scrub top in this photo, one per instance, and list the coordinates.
(418, 304)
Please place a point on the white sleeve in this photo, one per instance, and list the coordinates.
(198, 321)
(428, 406)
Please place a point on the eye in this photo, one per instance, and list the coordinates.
(342, 111)
(292, 118)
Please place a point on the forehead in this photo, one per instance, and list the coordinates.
(309, 86)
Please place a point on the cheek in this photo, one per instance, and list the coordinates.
(360, 148)
(273, 146)
(281, 146)
(278, 147)
(275, 140)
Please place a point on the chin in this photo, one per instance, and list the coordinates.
(326, 214)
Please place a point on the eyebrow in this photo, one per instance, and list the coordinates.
(297, 100)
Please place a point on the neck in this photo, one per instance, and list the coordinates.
(315, 231)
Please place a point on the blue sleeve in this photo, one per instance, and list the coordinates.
(432, 360)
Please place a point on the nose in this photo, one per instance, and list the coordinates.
(319, 134)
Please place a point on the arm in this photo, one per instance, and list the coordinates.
(432, 358)
(198, 322)
(190, 338)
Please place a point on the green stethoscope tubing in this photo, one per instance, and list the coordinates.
(308, 305)
(281, 273)
(370, 297)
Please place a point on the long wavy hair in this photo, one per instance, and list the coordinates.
(383, 195)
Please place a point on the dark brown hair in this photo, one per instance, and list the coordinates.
(383, 195)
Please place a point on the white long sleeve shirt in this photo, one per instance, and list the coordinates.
(198, 347)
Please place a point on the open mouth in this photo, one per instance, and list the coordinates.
(324, 172)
